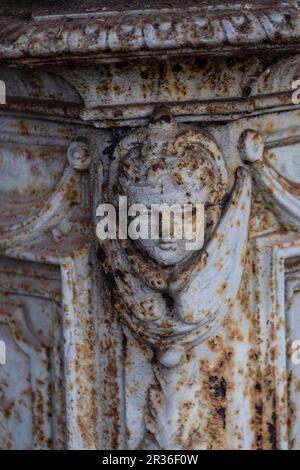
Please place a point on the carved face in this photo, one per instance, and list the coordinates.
(185, 171)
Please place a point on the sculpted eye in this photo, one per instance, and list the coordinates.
(285, 160)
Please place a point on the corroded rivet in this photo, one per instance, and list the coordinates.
(78, 155)
(172, 356)
(251, 146)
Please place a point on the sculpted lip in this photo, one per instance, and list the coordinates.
(167, 248)
(167, 245)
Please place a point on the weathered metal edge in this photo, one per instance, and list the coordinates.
(138, 34)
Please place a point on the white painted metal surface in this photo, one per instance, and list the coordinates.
(117, 344)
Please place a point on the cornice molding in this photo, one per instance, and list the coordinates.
(116, 95)
(109, 36)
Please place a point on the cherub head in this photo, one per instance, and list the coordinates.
(166, 164)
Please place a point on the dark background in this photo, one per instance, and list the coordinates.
(49, 7)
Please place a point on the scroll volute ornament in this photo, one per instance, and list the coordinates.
(171, 298)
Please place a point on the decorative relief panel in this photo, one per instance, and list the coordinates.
(48, 383)
(162, 348)
(32, 385)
